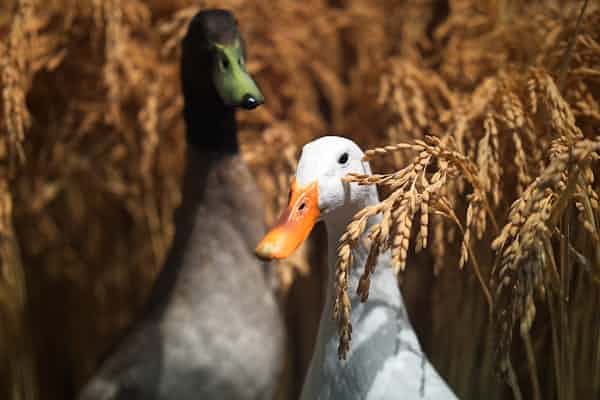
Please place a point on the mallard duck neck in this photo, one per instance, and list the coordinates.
(210, 124)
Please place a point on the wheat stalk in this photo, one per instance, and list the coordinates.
(413, 190)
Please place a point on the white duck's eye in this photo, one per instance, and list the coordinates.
(343, 158)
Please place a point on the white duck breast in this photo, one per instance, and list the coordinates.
(385, 360)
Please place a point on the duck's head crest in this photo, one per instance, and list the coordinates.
(214, 55)
(319, 192)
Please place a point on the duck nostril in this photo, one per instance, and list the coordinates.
(302, 206)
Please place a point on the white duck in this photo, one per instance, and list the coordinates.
(385, 360)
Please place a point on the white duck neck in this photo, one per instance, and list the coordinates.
(383, 287)
(383, 293)
(384, 309)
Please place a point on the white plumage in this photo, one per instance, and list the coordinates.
(385, 361)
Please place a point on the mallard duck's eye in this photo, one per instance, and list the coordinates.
(225, 62)
(343, 158)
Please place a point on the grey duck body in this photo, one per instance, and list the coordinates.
(213, 329)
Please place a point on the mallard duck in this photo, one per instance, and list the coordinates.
(385, 360)
(212, 328)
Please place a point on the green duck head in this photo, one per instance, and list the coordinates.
(214, 61)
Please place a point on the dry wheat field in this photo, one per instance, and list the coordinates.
(483, 124)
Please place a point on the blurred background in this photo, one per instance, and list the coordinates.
(91, 150)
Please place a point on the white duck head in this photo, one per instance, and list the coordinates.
(318, 193)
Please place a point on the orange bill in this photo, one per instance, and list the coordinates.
(294, 225)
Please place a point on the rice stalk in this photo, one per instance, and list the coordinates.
(496, 114)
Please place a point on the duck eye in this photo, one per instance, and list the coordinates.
(225, 62)
(343, 158)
